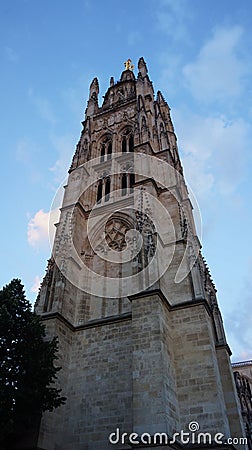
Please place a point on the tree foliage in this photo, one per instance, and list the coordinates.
(27, 370)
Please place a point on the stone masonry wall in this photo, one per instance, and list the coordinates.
(98, 388)
(199, 386)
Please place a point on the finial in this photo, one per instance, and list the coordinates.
(160, 97)
(142, 67)
(128, 65)
(94, 89)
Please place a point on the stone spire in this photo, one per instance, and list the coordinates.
(142, 67)
(92, 106)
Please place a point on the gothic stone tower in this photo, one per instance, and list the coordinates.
(127, 291)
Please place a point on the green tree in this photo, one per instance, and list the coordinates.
(27, 370)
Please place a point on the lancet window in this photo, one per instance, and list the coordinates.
(128, 180)
(103, 188)
(127, 141)
(106, 149)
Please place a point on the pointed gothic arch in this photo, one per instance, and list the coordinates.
(127, 140)
(105, 147)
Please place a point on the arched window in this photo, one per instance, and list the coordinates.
(109, 149)
(131, 143)
(102, 152)
(132, 181)
(128, 180)
(124, 145)
(124, 183)
(107, 189)
(127, 141)
(106, 148)
(99, 192)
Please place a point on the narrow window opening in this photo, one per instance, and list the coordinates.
(124, 184)
(102, 152)
(132, 181)
(99, 192)
(124, 145)
(131, 143)
(107, 189)
(109, 150)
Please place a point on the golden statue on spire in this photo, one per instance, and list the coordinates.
(128, 65)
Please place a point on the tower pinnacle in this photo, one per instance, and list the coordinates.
(142, 67)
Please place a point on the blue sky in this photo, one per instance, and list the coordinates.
(198, 54)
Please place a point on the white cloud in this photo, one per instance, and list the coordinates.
(218, 70)
(210, 145)
(134, 37)
(238, 325)
(172, 18)
(72, 98)
(64, 146)
(41, 228)
(23, 150)
(87, 4)
(26, 153)
(170, 66)
(36, 285)
(11, 54)
(38, 229)
(43, 107)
